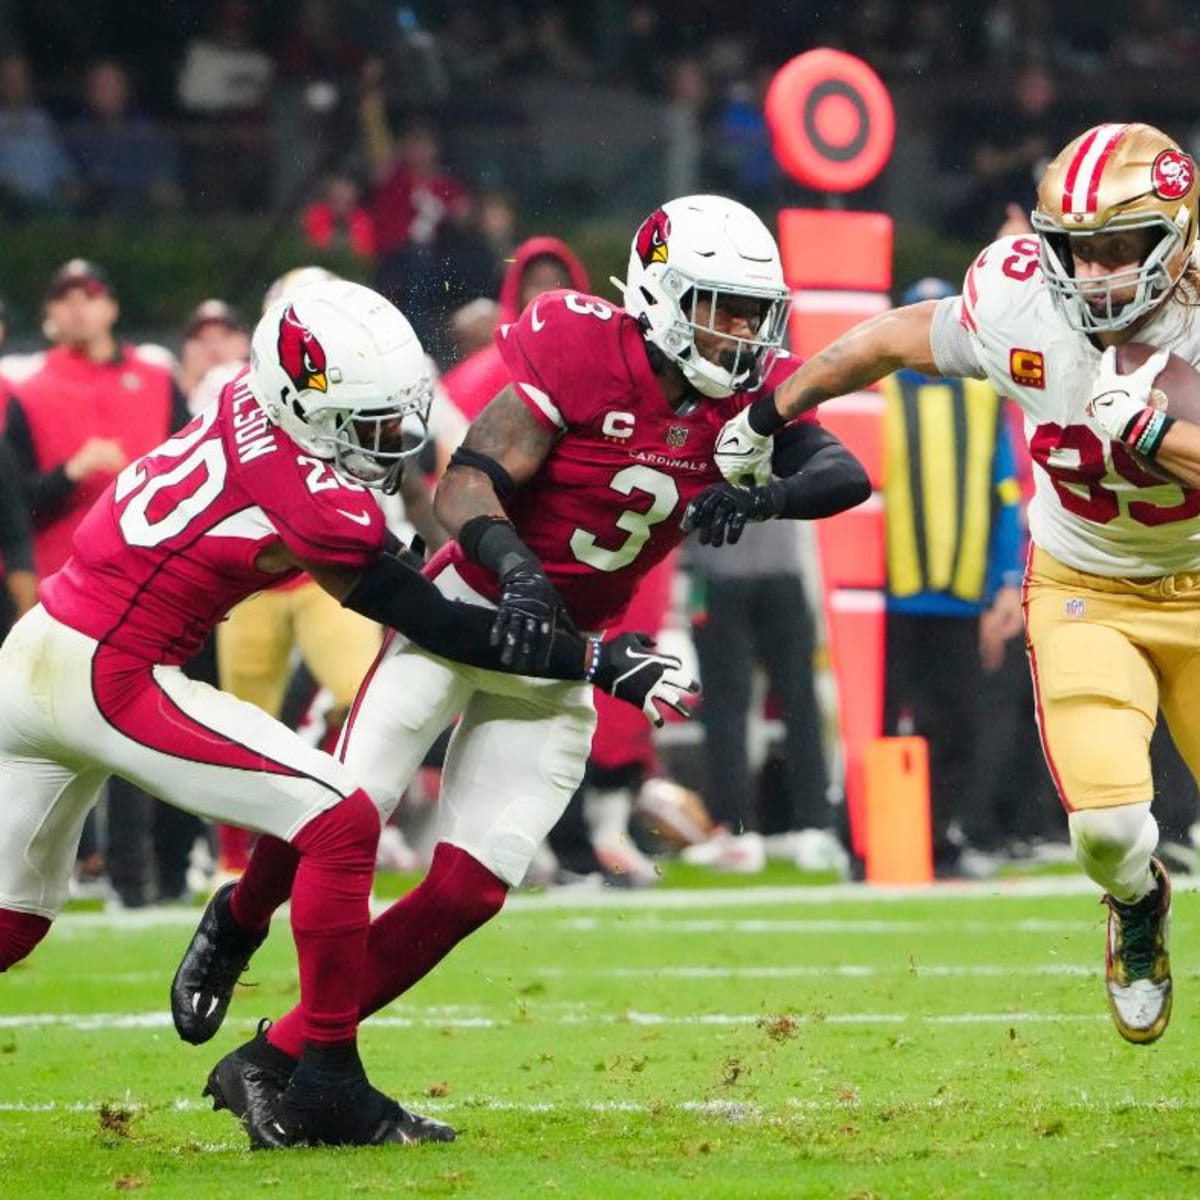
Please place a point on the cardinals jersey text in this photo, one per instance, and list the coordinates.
(171, 546)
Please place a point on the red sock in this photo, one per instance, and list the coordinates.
(266, 883)
(233, 847)
(19, 933)
(456, 897)
(331, 913)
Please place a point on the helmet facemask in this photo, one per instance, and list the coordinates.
(743, 366)
(1151, 278)
(371, 446)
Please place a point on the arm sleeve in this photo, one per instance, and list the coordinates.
(953, 351)
(16, 532)
(44, 490)
(818, 475)
(394, 592)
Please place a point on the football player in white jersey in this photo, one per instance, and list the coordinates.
(1112, 589)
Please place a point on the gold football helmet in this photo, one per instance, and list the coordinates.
(1109, 179)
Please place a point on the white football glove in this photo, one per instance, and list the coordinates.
(742, 456)
(629, 668)
(1118, 400)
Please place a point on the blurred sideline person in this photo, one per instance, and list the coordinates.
(571, 485)
(755, 613)
(953, 542)
(273, 479)
(17, 572)
(95, 404)
(1113, 583)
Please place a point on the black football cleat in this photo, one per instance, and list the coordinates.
(249, 1080)
(212, 964)
(354, 1115)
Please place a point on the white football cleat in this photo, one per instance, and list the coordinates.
(1137, 961)
(740, 853)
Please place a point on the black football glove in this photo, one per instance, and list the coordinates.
(721, 511)
(525, 619)
(629, 668)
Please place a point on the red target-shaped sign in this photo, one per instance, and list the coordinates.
(831, 119)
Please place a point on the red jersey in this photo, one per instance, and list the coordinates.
(605, 505)
(170, 547)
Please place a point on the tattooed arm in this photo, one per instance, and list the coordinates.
(508, 436)
(503, 449)
(902, 337)
(869, 351)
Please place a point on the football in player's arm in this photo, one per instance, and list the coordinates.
(1110, 589)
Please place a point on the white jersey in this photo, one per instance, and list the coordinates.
(1094, 507)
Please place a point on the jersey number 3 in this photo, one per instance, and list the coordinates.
(636, 524)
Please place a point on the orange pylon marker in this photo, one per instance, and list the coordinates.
(899, 837)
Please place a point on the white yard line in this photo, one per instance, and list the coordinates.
(913, 969)
(575, 1015)
(725, 1109)
(666, 900)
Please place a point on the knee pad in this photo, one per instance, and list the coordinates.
(1114, 845)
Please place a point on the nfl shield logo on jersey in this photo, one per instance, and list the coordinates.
(677, 435)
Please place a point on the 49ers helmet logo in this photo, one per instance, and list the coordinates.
(300, 354)
(651, 241)
(1173, 174)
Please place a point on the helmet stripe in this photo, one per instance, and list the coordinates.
(1082, 183)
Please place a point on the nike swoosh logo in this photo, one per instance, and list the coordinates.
(537, 322)
(359, 518)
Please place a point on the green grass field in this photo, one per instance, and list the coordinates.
(737, 1042)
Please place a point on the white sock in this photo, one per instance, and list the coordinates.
(607, 814)
(1114, 845)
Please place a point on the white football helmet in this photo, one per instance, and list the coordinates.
(339, 370)
(706, 248)
(1113, 178)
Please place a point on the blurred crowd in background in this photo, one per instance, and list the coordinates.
(440, 152)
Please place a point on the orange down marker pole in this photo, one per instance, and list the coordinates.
(899, 836)
(832, 127)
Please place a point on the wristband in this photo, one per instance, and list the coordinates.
(1155, 430)
(592, 659)
(763, 417)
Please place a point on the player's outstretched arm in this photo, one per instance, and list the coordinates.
(504, 447)
(817, 477)
(395, 593)
(866, 353)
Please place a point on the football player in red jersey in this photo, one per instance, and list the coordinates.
(274, 478)
(579, 476)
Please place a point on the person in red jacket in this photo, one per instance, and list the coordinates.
(539, 265)
(339, 220)
(93, 406)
